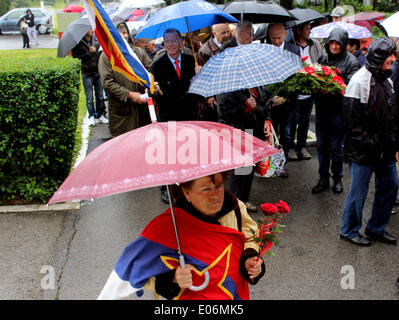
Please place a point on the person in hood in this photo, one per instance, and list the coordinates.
(127, 109)
(329, 117)
(371, 143)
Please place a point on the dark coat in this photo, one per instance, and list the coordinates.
(292, 48)
(371, 129)
(233, 111)
(175, 103)
(207, 51)
(89, 59)
(347, 65)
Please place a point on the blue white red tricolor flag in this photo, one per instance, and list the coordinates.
(208, 247)
(118, 51)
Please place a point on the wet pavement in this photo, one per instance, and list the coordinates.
(14, 41)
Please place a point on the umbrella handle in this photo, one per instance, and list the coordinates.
(206, 274)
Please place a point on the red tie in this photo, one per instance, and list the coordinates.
(177, 68)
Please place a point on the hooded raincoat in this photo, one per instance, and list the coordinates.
(370, 110)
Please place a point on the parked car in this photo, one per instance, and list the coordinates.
(9, 22)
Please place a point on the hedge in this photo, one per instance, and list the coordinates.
(38, 117)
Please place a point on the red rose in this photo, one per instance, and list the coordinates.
(268, 208)
(338, 80)
(310, 70)
(305, 58)
(282, 206)
(337, 70)
(326, 70)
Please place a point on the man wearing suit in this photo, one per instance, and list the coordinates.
(283, 111)
(173, 72)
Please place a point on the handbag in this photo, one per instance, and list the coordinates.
(274, 164)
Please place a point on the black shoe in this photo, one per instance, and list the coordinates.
(358, 240)
(164, 197)
(321, 186)
(338, 187)
(384, 238)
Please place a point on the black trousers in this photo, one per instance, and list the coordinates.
(25, 39)
(240, 182)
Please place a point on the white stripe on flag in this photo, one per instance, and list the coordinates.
(116, 289)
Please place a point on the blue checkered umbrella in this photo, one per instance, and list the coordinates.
(244, 67)
(354, 31)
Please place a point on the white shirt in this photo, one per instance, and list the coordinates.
(217, 42)
(304, 53)
(173, 61)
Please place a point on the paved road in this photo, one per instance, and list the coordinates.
(14, 41)
(82, 246)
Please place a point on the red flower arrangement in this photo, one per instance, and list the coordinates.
(267, 234)
(312, 79)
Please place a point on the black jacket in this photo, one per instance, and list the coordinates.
(175, 103)
(30, 20)
(347, 65)
(233, 110)
(371, 128)
(89, 59)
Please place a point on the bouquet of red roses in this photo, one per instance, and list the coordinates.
(267, 234)
(312, 79)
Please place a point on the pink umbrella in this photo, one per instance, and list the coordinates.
(162, 153)
(364, 19)
(158, 154)
(73, 8)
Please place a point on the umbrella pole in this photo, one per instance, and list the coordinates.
(191, 42)
(181, 257)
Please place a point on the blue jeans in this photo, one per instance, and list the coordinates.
(90, 82)
(386, 187)
(329, 133)
(302, 117)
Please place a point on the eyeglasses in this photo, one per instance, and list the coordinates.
(167, 42)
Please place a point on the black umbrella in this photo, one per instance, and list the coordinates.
(304, 16)
(72, 36)
(258, 11)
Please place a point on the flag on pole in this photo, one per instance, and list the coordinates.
(207, 247)
(118, 51)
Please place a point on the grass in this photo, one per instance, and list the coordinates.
(36, 53)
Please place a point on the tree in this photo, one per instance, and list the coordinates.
(4, 6)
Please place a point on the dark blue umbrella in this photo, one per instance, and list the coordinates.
(186, 16)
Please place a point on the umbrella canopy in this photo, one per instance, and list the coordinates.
(161, 153)
(78, 28)
(245, 66)
(186, 16)
(354, 31)
(73, 8)
(72, 35)
(303, 16)
(391, 25)
(258, 11)
(364, 19)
